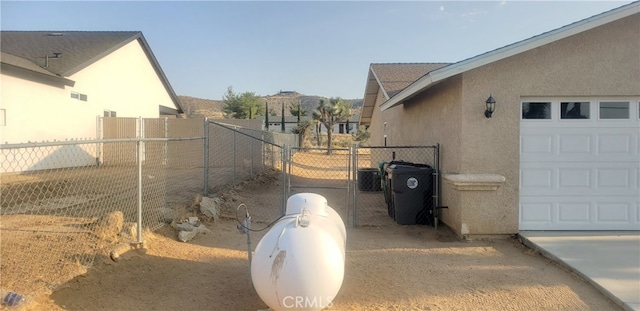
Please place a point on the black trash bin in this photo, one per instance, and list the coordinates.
(369, 179)
(411, 193)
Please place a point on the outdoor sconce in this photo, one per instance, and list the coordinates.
(491, 106)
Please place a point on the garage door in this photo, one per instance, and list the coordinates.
(580, 164)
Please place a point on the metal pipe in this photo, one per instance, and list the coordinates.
(234, 158)
(166, 144)
(355, 191)
(205, 155)
(139, 160)
(284, 179)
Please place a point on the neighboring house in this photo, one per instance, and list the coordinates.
(55, 83)
(574, 165)
(290, 122)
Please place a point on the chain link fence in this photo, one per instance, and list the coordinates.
(66, 203)
(63, 204)
(237, 154)
(56, 220)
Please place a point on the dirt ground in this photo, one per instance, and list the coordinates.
(387, 268)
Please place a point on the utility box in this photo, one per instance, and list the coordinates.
(369, 179)
(410, 187)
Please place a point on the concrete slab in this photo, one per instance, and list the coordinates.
(609, 260)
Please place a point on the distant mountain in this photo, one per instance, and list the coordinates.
(198, 107)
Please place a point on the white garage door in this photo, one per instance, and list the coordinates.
(580, 164)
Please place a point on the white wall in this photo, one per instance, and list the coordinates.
(123, 81)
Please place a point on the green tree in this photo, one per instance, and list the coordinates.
(302, 129)
(266, 116)
(295, 108)
(282, 129)
(331, 112)
(362, 136)
(241, 106)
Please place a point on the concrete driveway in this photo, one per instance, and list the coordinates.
(610, 260)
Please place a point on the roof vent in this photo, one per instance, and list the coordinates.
(55, 34)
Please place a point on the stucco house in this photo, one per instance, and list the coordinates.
(561, 150)
(55, 83)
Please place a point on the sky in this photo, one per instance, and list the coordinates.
(321, 48)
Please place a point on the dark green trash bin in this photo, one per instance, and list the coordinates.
(411, 191)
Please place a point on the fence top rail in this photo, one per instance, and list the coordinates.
(90, 141)
(236, 129)
(321, 149)
(398, 147)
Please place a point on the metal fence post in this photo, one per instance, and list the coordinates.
(99, 135)
(354, 171)
(234, 157)
(166, 143)
(436, 182)
(205, 154)
(285, 152)
(139, 164)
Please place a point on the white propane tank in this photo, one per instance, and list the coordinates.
(299, 263)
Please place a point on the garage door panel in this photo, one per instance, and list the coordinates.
(536, 145)
(576, 144)
(614, 178)
(537, 178)
(613, 212)
(614, 144)
(574, 212)
(579, 213)
(576, 179)
(538, 213)
(580, 174)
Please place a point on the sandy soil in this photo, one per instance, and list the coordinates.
(387, 268)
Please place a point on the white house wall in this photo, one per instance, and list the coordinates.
(35, 111)
(123, 81)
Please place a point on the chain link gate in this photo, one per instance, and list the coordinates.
(356, 181)
(323, 171)
(373, 197)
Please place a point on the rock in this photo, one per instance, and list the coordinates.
(186, 235)
(168, 214)
(109, 226)
(196, 200)
(130, 231)
(210, 207)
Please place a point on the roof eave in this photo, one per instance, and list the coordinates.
(4, 67)
(486, 58)
(365, 117)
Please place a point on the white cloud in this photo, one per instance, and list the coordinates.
(442, 8)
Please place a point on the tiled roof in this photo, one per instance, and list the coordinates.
(395, 77)
(77, 48)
